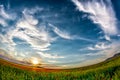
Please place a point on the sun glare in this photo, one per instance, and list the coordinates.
(35, 61)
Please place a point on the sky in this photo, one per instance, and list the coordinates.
(59, 33)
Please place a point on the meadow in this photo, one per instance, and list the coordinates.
(107, 70)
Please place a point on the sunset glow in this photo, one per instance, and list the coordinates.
(35, 61)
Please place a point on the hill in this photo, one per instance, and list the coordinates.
(107, 70)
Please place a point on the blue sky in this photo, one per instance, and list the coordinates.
(62, 33)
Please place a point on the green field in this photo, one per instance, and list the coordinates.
(107, 70)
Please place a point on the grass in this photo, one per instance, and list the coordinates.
(107, 70)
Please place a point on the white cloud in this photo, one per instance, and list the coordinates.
(53, 61)
(29, 18)
(100, 13)
(61, 33)
(4, 16)
(65, 35)
(26, 29)
(99, 46)
(38, 39)
(3, 13)
(46, 55)
(107, 50)
(32, 11)
(3, 22)
(7, 41)
(118, 35)
(106, 37)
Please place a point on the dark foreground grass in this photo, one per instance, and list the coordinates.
(108, 70)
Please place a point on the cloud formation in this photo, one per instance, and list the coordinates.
(99, 46)
(3, 13)
(26, 29)
(66, 35)
(46, 55)
(100, 13)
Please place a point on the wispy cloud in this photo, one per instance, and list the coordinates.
(61, 33)
(99, 46)
(53, 61)
(66, 35)
(3, 13)
(26, 29)
(109, 50)
(3, 22)
(4, 16)
(100, 13)
(118, 35)
(106, 37)
(46, 55)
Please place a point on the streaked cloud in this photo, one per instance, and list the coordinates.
(106, 19)
(61, 33)
(53, 61)
(3, 22)
(99, 46)
(106, 37)
(46, 55)
(66, 35)
(3, 13)
(118, 35)
(5, 16)
(26, 29)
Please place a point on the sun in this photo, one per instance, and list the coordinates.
(35, 61)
